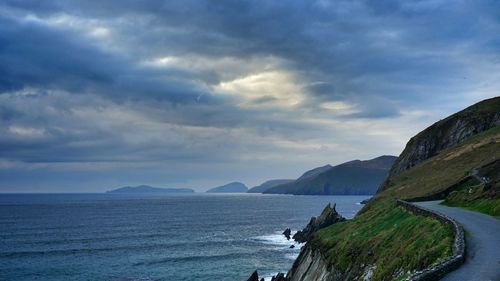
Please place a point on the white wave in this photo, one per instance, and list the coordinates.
(269, 276)
(276, 238)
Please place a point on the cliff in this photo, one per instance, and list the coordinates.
(312, 265)
(448, 132)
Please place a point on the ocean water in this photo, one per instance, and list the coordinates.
(193, 237)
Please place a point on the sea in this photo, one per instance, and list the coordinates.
(117, 237)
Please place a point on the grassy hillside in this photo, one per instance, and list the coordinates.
(379, 236)
(447, 168)
(479, 193)
(475, 196)
(394, 242)
(448, 132)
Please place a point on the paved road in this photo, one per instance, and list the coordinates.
(482, 237)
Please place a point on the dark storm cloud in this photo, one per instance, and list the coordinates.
(138, 81)
(33, 55)
(40, 56)
(334, 41)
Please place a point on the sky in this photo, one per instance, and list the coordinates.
(96, 95)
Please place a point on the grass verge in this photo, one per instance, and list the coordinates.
(476, 198)
(387, 237)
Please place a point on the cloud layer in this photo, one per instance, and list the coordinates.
(95, 94)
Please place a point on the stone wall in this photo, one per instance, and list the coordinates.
(435, 272)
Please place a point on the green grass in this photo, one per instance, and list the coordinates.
(487, 206)
(475, 197)
(392, 239)
(447, 168)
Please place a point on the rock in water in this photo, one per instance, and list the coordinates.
(287, 233)
(254, 276)
(292, 246)
(279, 277)
(328, 217)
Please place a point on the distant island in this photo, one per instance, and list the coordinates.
(149, 189)
(351, 178)
(233, 187)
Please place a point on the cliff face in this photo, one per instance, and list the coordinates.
(311, 265)
(448, 132)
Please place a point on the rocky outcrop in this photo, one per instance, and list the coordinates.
(328, 217)
(254, 276)
(310, 265)
(448, 132)
(279, 277)
(287, 233)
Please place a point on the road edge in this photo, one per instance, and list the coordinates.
(439, 270)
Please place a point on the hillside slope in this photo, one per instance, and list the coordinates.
(350, 178)
(436, 174)
(448, 132)
(384, 241)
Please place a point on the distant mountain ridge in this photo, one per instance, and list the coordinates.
(233, 187)
(268, 184)
(149, 189)
(355, 177)
(315, 172)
